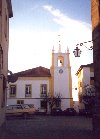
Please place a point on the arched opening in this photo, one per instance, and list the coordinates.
(60, 61)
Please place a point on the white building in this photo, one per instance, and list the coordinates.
(34, 85)
(85, 76)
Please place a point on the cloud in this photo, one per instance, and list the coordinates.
(54, 12)
(74, 30)
(30, 49)
(61, 18)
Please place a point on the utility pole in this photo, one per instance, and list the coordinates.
(95, 16)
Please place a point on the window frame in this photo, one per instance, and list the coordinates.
(12, 93)
(29, 93)
(20, 101)
(43, 89)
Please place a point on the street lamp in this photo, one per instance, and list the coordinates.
(77, 51)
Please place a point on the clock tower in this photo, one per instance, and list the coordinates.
(61, 77)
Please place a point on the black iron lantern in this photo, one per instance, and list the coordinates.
(77, 52)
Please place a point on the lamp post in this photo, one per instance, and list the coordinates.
(77, 52)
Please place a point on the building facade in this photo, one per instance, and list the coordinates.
(5, 14)
(61, 74)
(95, 16)
(40, 85)
(85, 76)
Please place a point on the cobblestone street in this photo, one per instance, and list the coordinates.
(48, 127)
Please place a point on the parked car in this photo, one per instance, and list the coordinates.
(41, 111)
(70, 111)
(56, 111)
(20, 110)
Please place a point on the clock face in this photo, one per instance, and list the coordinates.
(60, 71)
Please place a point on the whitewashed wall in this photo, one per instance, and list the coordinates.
(20, 94)
(86, 75)
(61, 80)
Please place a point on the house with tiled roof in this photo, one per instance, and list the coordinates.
(37, 85)
(85, 75)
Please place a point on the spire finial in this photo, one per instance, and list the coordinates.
(59, 44)
(67, 49)
(53, 50)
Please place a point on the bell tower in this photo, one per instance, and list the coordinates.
(61, 77)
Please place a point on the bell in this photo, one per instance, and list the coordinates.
(60, 61)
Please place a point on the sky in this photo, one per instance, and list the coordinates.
(36, 25)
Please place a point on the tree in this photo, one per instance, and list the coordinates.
(88, 97)
(53, 101)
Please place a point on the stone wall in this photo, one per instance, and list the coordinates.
(95, 16)
(95, 13)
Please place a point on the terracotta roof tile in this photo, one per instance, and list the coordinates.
(34, 72)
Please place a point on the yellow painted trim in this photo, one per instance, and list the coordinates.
(70, 88)
(52, 79)
(34, 78)
(52, 83)
(50, 87)
(70, 81)
(52, 60)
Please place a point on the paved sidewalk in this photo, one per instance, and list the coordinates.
(48, 127)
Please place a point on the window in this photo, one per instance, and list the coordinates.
(12, 90)
(20, 101)
(28, 90)
(91, 78)
(43, 89)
